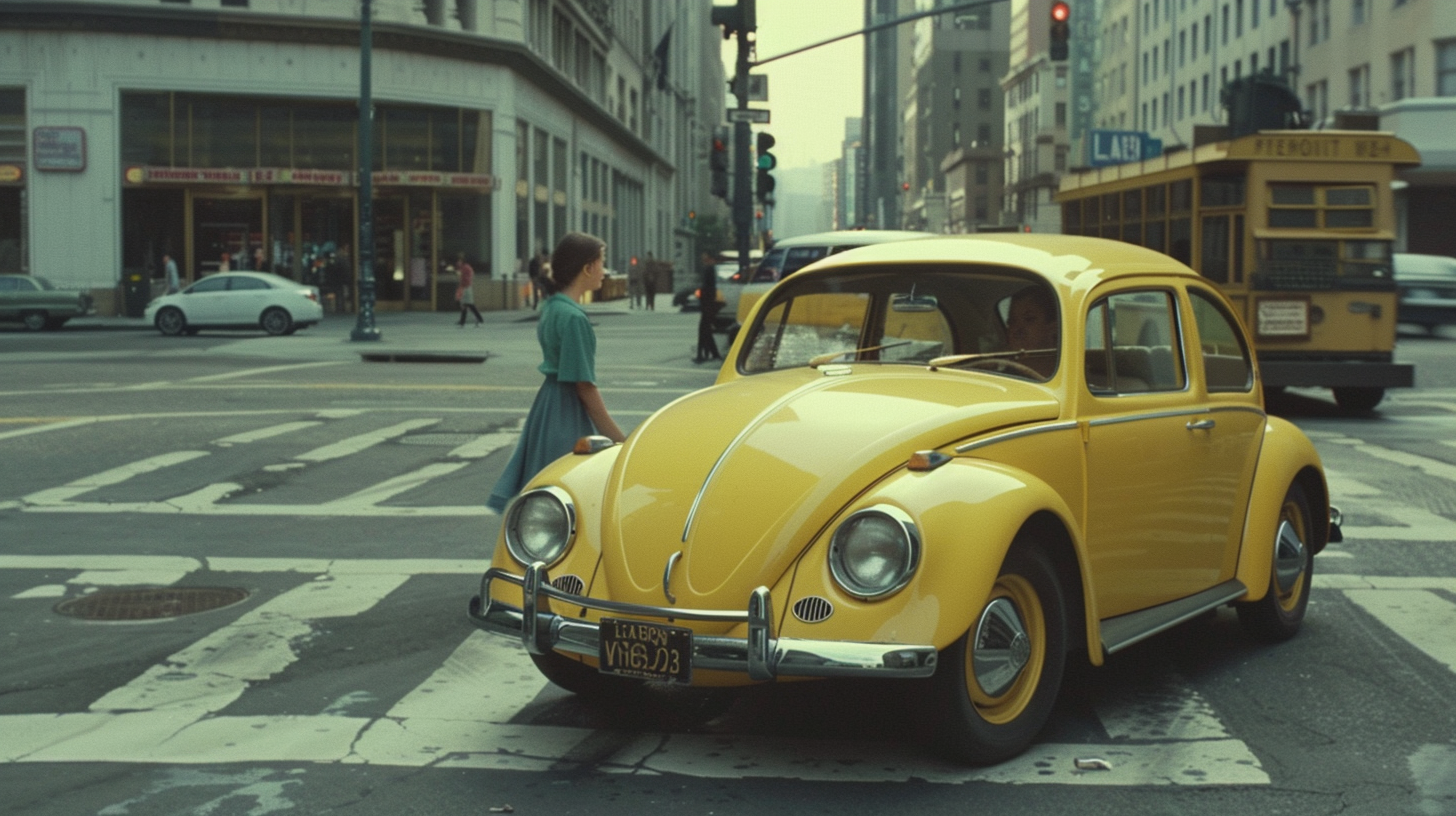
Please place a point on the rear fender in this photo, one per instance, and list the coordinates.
(967, 512)
(1287, 456)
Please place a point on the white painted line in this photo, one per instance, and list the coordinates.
(86, 484)
(214, 671)
(264, 433)
(253, 372)
(354, 444)
(1344, 487)
(366, 500)
(1173, 712)
(1433, 467)
(1425, 619)
(488, 677)
(47, 426)
(486, 444)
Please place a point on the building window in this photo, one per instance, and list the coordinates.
(1358, 12)
(983, 134)
(1061, 114)
(1360, 86)
(1180, 102)
(1193, 42)
(1445, 68)
(1205, 95)
(1182, 48)
(1225, 38)
(1402, 74)
(985, 65)
(1239, 19)
(983, 99)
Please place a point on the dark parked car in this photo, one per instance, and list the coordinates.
(38, 304)
(1427, 285)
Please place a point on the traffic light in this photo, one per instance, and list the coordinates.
(1061, 30)
(766, 162)
(742, 16)
(718, 164)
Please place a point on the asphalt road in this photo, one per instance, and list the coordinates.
(343, 500)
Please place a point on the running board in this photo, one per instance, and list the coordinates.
(1124, 630)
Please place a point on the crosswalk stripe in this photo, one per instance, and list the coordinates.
(355, 444)
(1425, 619)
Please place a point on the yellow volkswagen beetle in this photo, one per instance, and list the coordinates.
(956, 461)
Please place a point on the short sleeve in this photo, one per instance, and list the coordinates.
(577, 362)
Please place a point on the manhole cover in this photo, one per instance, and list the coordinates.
(149, 603)
(442, 439)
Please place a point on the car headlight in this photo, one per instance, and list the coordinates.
(540, 525)
(874, 551)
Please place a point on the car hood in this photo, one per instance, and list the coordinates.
(740, 477)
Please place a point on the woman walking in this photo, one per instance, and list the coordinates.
(466, 293)
(568, 406)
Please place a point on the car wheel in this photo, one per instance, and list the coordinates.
(1279, 613)
(277, 321)
(171, 322)
(34, 321)
(997, 684)
(1358, 400)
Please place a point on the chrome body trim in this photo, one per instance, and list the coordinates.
(1016, 434)
(1179, 412)
(761, 656)
(667, 577)
(1124, 630)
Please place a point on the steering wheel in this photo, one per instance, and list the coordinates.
(1007, 366)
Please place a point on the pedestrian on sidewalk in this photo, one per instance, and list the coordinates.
(708, 306)
(174, 283)
(649, 282)
(466, 291)
(568, 405)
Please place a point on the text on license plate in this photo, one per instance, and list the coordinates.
(651, 651)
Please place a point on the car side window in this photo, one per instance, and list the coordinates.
(9, 285)
(213, 284)
(243, 282)
(1226, 364)
(1132, 344)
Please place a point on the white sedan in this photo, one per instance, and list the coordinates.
(237, 300)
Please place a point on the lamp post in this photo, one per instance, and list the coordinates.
(364, 328)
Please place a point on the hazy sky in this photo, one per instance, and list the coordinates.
(809, 94)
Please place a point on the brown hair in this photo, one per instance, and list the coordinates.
(576, 250)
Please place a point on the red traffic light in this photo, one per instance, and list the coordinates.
(1061, 12)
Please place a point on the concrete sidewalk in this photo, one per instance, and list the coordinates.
(415, 336)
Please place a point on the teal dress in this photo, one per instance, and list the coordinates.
(558, 417)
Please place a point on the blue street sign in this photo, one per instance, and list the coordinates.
(1107, 147)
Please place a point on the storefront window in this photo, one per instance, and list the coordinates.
(224, 132)
(146, 129)
(406, 137)
(282, 256)
(275, 136)
(324, 136)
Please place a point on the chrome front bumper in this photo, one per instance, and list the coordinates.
(761, 656)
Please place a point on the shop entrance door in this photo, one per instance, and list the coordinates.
(404, 228)
(326, 233)
(227, 233)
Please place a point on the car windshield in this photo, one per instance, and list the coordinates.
(987, 317)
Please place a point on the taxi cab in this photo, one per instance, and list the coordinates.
(956, 462)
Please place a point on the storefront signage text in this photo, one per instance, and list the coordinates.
(11, 173)
(60, 148)
(312, 178)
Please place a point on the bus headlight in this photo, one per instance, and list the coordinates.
(540, 525)
(874, 551)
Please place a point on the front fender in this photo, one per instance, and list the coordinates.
(1287, 456)
(968, 512)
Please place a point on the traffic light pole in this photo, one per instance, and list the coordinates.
(742, 160)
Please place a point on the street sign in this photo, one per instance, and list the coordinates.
(753, 116)
(1107, 147)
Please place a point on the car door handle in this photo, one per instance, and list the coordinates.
(1200, 425)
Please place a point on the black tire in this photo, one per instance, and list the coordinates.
(980, 725)
(276, 321)
(171, 322)
(1358, 400)
(34, 321)
(1277, 616)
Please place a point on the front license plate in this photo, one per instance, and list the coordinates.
(650, 651)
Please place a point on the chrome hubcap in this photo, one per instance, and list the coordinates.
(1002, 648)
(1288, 557)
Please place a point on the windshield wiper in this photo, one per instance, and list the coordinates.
(957, 359)
(815, 362)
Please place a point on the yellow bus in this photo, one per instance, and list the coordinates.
(1297, 227)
